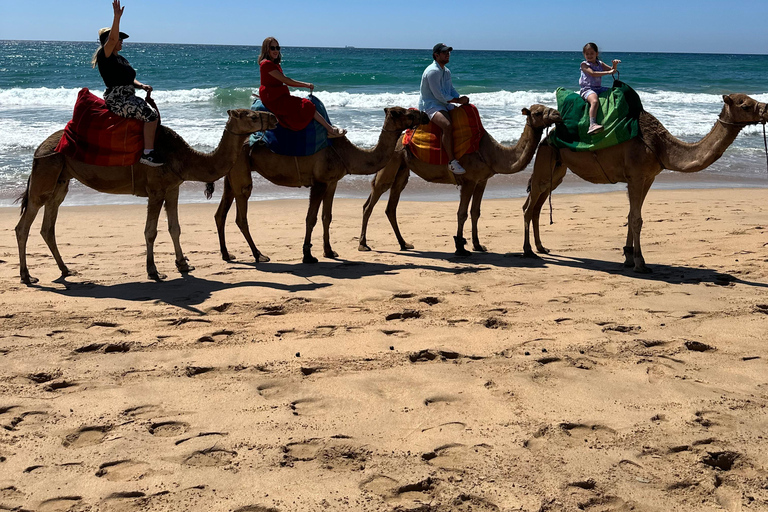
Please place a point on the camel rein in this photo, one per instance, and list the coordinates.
(742, 125)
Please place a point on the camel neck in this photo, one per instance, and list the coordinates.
(513, 159)
(209, 167)
(693, 157)
(367, 161)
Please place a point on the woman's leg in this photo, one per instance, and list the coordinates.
(150, 127)
(320, 119)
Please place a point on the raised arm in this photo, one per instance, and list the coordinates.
(589, 71)
(114, 33)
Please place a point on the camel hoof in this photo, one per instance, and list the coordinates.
(308, 258)
(643, 270)
(363, 248)
(157, 276)
(406, 246)
(330, 253)
(227, 257)
(542, 249)
(479, 248)
(184, 267)
(262, 258)
(65, 272)
(29, 280)
(462, 252)
(528, 253)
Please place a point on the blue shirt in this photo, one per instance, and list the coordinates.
(436, 88)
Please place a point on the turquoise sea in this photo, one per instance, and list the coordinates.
(196, 84)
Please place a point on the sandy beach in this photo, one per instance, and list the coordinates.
(391, 380)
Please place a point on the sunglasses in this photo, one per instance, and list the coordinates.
(274, 48)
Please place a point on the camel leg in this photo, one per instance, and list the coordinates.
(40, 187)
(467, 190)
(477, 198)
(154, 205)
(221, 218)
(48, 230)
(401, 180)
(174, 228)
(378, 187)
(637, 193)
(327, 217)
(544, 180)
(316, 194)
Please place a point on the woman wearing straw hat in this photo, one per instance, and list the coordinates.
(120, 79)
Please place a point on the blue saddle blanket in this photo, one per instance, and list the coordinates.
(287, 142)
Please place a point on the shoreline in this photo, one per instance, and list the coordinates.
(358, 188)
(391, 380)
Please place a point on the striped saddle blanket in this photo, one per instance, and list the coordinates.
(96, 136)
(424, 141)
(285, 141)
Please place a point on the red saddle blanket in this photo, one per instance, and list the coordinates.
(424, 141)
(97, 136)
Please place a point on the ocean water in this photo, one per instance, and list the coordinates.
(196, 84)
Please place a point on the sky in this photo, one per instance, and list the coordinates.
(697, 26)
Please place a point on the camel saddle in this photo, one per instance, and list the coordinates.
(619, 113)
(96, 136)
(284, 141)
(425, 141)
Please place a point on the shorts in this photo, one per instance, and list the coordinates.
(597, 90)
(122, 100)
(432, 111)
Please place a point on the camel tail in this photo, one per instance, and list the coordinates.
(209, 188)
(24, 198)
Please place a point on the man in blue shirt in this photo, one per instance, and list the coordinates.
(437, 96)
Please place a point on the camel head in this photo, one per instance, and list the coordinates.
(242, 121)
(740, 109)
(540, 116)
(399, 118)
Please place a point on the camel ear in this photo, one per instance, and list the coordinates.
(526, 112)
(229, 112)
(727, 99)
(386, 110)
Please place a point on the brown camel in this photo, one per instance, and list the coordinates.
(51, 172)
(492, 158)
(320, 171)
(636, 162)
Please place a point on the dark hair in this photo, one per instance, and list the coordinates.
(265, 50)
(591, 45)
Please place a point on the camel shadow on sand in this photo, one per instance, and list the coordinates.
(188, 291)
(670, 274)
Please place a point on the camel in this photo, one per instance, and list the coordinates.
(491, 158)
(636, 162)
(321, 172)
(51, 172)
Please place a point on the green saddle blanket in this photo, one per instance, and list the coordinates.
(619, 111)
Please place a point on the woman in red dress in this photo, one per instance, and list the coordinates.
(293, 112)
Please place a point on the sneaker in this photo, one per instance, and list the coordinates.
(152, 159)
(456, 167)
(594, 128)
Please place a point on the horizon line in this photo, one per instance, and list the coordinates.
(350, 47)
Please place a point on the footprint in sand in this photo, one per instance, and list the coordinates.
(123, 470)
(168, 428)
(440, 399)
(379, 484)
(86, 436)
(306, 405)
(211, 457)
(142, 411)
(303, 451)
(59, 504)
(127, 501)
(26, 419)
(255, 508)
(457, 456)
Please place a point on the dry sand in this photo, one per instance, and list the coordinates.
(565, 383)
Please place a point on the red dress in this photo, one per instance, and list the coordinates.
(292, 112)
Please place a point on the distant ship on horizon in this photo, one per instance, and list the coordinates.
(349, 46)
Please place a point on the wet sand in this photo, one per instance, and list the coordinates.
(391, 380)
